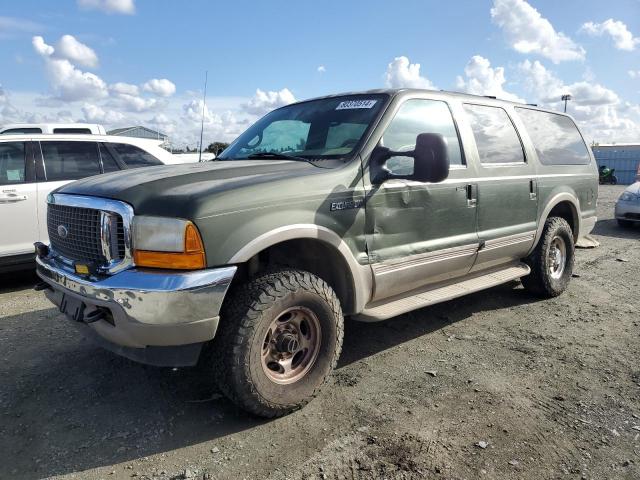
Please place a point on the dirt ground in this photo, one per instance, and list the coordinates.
(496, 385)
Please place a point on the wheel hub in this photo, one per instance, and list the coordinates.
(287, 343)
(557, 257)
(291, 345)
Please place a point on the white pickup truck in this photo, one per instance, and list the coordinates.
(33, 165)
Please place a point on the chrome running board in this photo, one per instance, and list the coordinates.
(399, 304)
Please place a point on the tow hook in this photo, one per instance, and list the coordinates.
(38, 287)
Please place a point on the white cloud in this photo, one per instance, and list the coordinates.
(622, 38)
(634, 73)
(133, 103)
(40, 47)
(67, 82)
(263, 102)
(403, 74)
(76, 52)
(529, 32)
(321, 69)
(160, 86)
(126, 7)
(124, 88)
(95, 114)
(482, 79)
(549, 89)
(599, 111)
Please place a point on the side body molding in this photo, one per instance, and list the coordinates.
(551, 203)
(361, 274)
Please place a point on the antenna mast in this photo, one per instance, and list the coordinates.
(204, 100)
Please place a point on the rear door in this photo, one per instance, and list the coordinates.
(507, 188)
(59, 163)
(18, 199)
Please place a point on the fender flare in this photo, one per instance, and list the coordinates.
(361, 274)
(555, 200)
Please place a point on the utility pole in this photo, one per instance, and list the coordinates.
(566, 98)
(204, 100)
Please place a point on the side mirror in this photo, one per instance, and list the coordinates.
(430, 157)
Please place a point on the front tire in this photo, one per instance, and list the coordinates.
(552, 260)
(279, 338)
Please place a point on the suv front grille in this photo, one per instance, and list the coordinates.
(82, 241)
(91, 230)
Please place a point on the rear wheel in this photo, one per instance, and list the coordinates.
(552, 261)
(279, 338)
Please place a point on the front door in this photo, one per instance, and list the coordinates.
(18, 200)
(421, 233)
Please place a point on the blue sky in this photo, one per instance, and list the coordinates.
(122, 62)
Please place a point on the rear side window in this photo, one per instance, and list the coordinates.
(70, 160)
(12, 163)
(496, 137)
(555, 137)
(13, 131)
(133, 156)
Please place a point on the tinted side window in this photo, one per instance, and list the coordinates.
(70, 160)
(12, 163)
(13, 131)
(108, 162)
(555, 137)
(71, 130)
(415, 117)
(134, 157)
(496, 137)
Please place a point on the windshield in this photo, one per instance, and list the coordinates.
(330, 128)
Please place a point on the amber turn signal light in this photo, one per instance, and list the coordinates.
(192, 258)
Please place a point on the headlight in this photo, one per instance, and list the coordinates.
(628, 197)
(161, 242)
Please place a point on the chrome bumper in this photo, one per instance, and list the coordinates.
(144, 307)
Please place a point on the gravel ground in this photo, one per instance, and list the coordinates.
(494, 385)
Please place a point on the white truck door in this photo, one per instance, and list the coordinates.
(18, 200)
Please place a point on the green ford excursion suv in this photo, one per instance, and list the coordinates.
(364, 204)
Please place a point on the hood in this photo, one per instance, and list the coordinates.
(185, 190)
(633, 188)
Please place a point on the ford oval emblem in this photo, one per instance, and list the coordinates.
(62, 231)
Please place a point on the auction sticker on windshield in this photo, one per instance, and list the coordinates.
(353, 104)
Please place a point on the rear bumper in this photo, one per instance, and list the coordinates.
(142, 312)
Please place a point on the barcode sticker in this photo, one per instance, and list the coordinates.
(354, 104)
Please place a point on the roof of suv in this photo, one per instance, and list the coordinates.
(463, 96)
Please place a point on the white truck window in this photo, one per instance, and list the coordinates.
(70, 160)
(12, 164)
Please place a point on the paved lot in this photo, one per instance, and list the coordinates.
(550, 389)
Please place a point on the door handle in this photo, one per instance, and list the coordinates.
(533, 189)
(12, 198)
(472, 196)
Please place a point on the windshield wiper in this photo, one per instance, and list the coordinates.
(283, 156)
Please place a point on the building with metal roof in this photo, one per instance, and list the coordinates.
(139, 132)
